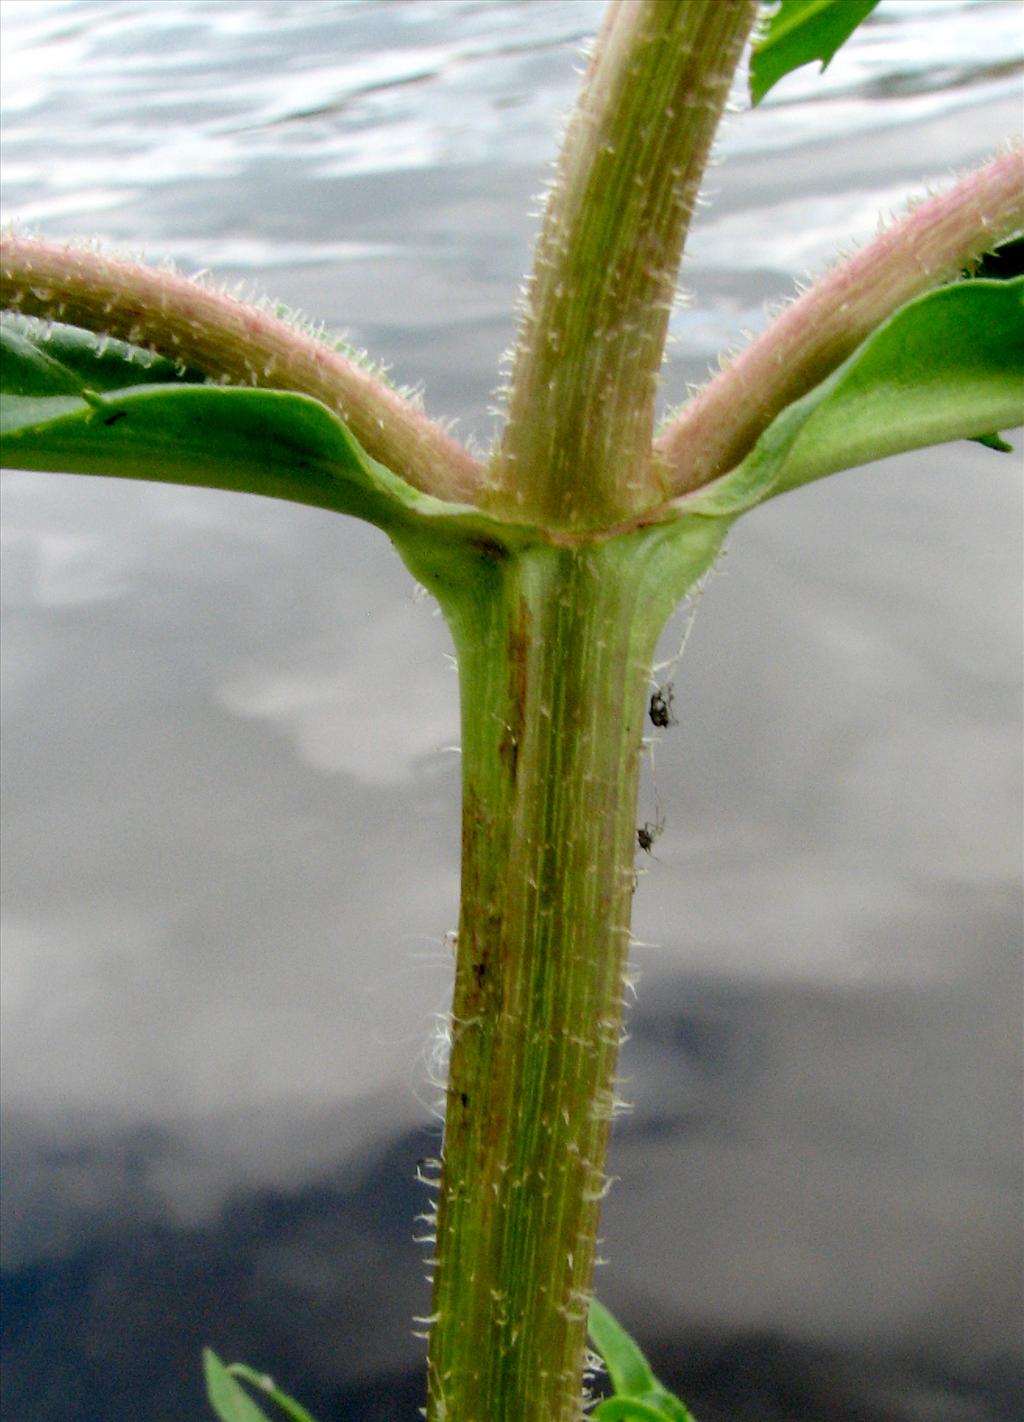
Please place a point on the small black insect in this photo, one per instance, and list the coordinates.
(648, 833)
(660, 709)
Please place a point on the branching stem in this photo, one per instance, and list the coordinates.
(555, 630)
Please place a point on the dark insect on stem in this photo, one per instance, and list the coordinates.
(648, 833)
(660, 709)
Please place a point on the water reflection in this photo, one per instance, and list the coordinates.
(228, 776)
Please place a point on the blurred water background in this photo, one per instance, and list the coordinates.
(231, 790)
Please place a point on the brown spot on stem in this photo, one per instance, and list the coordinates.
(489, 548)
(518, 652)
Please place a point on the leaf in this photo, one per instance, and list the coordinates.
(77, 403)
(994, 441)
(287, 1404)
(627, 1366)
(657, 1406)
(799, 32)
(639, 1397)
(42, 358)
(949, 365)
(1003, 263)
(228, 1398)
(627, 1409)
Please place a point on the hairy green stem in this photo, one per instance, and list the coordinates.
(576, 449)
(810, 338)
(228, 340)
(555, 649)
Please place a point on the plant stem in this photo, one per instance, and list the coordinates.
(576, 450)
(228, 340)
(555, 648)
(810, 338)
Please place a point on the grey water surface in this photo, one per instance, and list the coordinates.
(231, 773)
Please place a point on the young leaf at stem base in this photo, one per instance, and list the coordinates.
(227, 1397)
(639, 1396)
(232, 1403)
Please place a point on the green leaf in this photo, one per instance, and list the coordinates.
(1003, 263)
(45, 358)
(949, 365)
(78, 403)
(232, 1403)
(628, 1409)
(627, 1366)
(287, 1404)
(639, 1397)
(994, 441)
(657, 1406)
(228, 1398)
(799, 32)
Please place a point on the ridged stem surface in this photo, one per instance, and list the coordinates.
(576, 449)
(555, 648)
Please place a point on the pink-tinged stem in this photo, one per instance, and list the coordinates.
(814, 335)
(234, 342)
